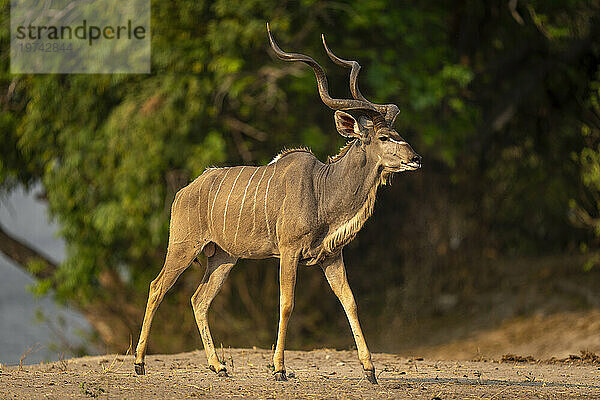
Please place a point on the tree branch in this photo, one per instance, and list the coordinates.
(24, 254)
(248, 130)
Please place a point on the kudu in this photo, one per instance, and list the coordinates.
(295, 208)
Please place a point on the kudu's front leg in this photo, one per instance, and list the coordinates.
(287, 283)
(335, 272)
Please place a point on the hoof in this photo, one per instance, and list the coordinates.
(280, 376)
(139, 368)
(370, 375)
(222, 372)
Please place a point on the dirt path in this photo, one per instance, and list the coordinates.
(316, 374)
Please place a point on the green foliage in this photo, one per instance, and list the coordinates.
(586, 211)
(590, 163)
(41, 287)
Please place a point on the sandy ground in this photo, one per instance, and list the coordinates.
(314, 374)
(542, 336)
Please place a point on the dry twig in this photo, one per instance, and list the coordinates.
(30, 350)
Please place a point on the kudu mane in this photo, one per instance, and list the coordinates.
(331, 159)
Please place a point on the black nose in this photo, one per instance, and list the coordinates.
(416, 159)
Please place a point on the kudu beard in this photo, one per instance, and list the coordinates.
(83, 31)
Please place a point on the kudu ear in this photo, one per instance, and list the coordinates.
(346, 125)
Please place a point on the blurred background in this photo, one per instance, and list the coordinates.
(493, 247)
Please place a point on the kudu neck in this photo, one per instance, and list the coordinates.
(347, 184)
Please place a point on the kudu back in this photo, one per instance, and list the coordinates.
(296, 208)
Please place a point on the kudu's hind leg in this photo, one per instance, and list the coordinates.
(217, 269)
(179, 257)
(335, 272)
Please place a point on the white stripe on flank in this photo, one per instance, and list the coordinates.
(227, 202)
(176, 200)
(200, 180)
(266, 194)
(208, 204)
(215, 199)
(198, 206)
(173, 210)
(242, 207)
(254, 205)
(188, 216)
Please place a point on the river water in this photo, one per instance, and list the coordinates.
(38, 328)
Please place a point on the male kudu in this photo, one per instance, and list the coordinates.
(295, 208)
